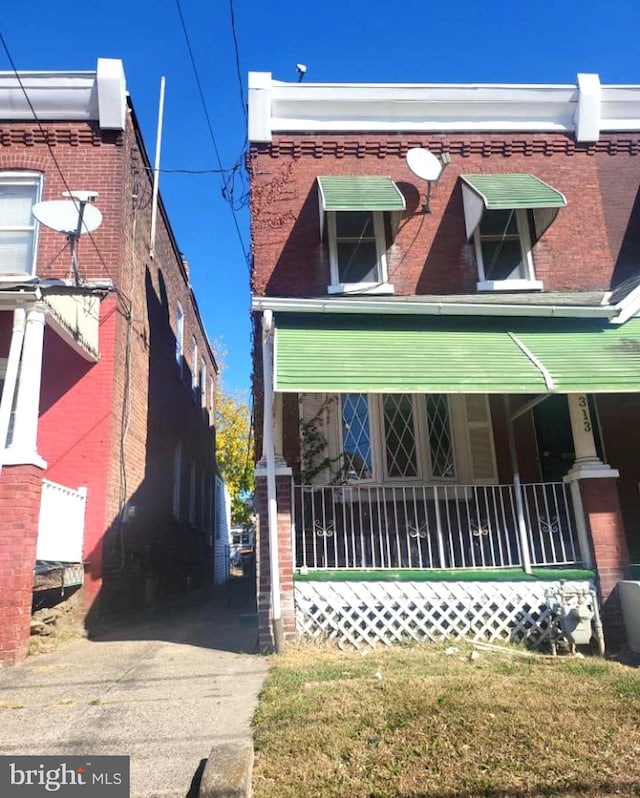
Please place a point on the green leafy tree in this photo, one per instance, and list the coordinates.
(234, 446)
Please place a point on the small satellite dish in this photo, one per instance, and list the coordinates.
(424, 164)
(64, 216)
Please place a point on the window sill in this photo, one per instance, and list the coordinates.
(360, 288)
(510, 285)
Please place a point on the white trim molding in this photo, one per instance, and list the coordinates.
(585, 108)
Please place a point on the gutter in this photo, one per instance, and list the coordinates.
(347, 305)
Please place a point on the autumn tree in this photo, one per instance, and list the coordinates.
(234, 445)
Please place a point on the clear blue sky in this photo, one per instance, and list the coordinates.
(339, 40)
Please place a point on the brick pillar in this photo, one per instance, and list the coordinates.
(263, 569)
(20, 490)
(601, 506)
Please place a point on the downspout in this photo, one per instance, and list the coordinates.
(268, 451)
(11, 375)
(517, 490)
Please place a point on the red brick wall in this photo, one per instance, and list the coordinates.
(430, 253)
(263, 566)
(113, 425)
(20, 489)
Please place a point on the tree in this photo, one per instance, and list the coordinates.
(234, 446)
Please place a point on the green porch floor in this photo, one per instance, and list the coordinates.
(496, 575)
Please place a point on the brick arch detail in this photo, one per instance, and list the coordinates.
(23, 162)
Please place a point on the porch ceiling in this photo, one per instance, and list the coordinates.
(385, 354)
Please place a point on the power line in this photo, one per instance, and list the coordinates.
(226, 184)
(243, 102)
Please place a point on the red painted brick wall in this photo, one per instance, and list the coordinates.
(20, 488)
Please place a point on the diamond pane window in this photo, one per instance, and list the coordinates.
(356, 436)
(440, 445)
(400, 439)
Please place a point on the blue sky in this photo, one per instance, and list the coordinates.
(543, 42)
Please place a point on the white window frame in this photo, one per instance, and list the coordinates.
(194, 365)
(379, 469)
(203, 383)
(179, 334)
(8, 177)
(379, 286)
(526, 283)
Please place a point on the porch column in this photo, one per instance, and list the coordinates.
(597, 510)
(23, 446)
(275, 509)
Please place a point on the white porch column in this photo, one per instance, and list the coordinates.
(23, 448)
(587, 466)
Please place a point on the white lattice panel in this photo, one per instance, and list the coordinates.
(368, 613)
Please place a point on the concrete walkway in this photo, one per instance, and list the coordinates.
(163, 691)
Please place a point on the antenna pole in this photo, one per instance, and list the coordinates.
(156, 171)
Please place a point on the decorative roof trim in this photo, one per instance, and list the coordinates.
(585, 109)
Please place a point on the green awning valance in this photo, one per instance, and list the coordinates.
(359, 193)
(383, 354)
(499, 192)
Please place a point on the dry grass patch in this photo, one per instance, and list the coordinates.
(417, 722)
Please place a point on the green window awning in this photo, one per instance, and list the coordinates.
(359, 193)
(499, 192)
(403, 354)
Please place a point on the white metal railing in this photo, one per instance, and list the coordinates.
(432, 527)
(61, 523)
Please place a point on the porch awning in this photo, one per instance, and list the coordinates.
(403, 354)
(500, 192)
(360, 193)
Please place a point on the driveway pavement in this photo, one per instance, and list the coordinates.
(164, 691)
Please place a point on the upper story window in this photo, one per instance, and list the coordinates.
(359, 213)
(179, 333)
(194, 363)
(203, 383)
(503, 248)
(19, 191)
(506, 214)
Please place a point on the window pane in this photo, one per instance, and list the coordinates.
(440, 436)
(16, 252)
(15, 205)
(357, 262)
(499, 223)
(400, 439)
(356, 437)
(502, 260)
(354, 224)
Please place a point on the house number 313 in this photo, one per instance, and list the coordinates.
(584, 409)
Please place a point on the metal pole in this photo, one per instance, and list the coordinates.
(268, 451)
(517, 490)
(156, 171)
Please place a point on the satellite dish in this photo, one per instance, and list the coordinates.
(64, 216)
(424, 164)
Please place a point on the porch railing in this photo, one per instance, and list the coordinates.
(432, 527)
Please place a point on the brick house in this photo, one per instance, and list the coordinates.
(445, 287)
(108, 377)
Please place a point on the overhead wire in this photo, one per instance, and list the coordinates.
(226, 183)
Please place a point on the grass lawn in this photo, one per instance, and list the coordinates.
(416, 721)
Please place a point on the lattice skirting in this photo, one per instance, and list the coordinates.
(368, 613)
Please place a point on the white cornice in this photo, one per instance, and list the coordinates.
(67, 96)
(435, 308)
(586, 108)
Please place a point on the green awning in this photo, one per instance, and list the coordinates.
(499, 192)
(360, 193)
(385, 354)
